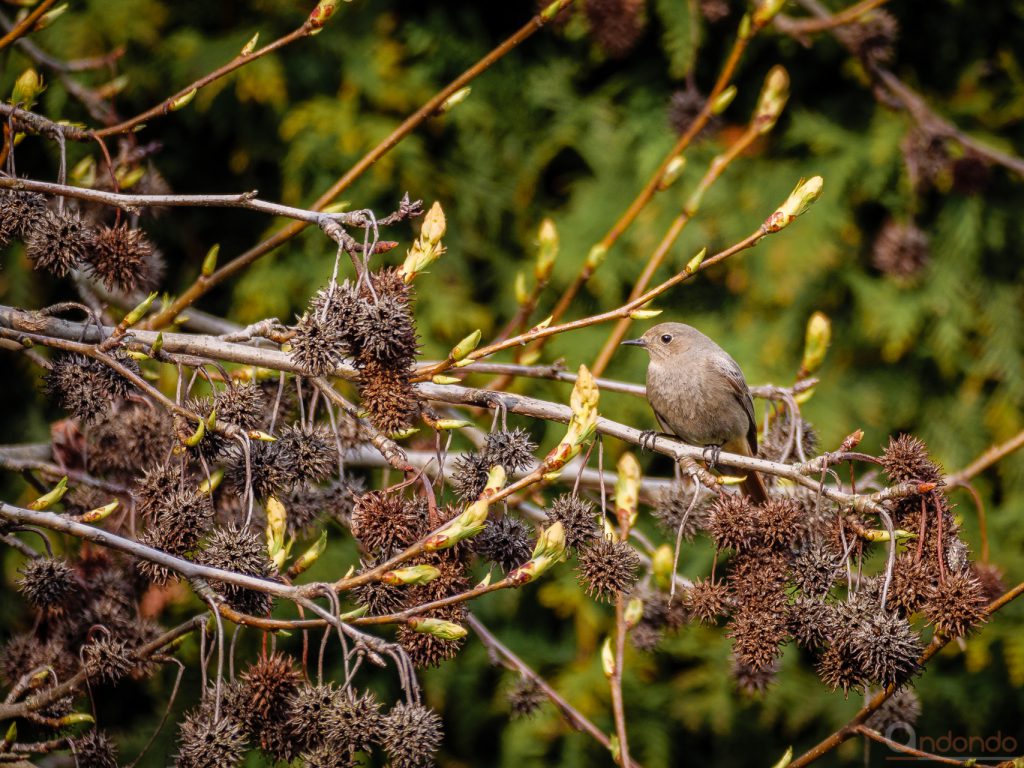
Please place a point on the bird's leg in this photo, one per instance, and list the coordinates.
(646, 439)
(711, 455)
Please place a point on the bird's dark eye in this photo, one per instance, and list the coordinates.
(666, 338)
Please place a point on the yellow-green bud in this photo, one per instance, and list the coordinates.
(785, 760)
(211, 420)
(627, 490)
(47, 500)
(723, 100)
(583, 401)
(549, 550)
(130, 178)
(322, 13)
(139, 312)
(451, 424)
(446, 630)
(551, 9)
(256, 434)
(250, 46)
(355, 613)
(694, 264)
(673, 171)
(473, 520)
(521, 291)
(767, 10)
(772, 100)
(881, 535)
(799, 200)
(305, 561)
(434, 225)
(196, 437)
(12, 735)
(76, 718)
(663, 565)
(607, 658)
(596, 256)
(634, 612)
(467, 345)
(27, 88)
(277, 522)
(441, 379)
(210, 260)
(816, 341)
(157, 345)
(547, 239)
(99, 513)
(644, 314)
(414, 574)
(455, 99)
(49, 17)
(183, 101)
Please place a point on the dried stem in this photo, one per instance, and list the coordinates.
(24, 26)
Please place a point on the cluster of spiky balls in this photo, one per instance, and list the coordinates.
(787, 580)
(59, 241)
(370, 322)
(274, 708)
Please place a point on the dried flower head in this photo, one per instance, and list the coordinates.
(306, 717)
(133, 437)
(607, 568)
(18, 210)
(386, 331)
(838, 668)
(911, 584)
(266, 688)
(955, 604)
(675, 506)
(307, 453)
(926, 157)
(120, 258)
(108, 659)
(525, 697)
(706, 599)
(906, 458)
(815, 569)
(506, 541)
(94, 749)
(355, 723)
(781, 519)
(511, 448)
(318, 345)
(811, 622)
(240, 404)
(156, 485)
(181, 519)
(265, 469)
(59, 241)
(991, 579)
(577, 517)
(241, 551)
(410, 735)
(378, 597)
(886, 649)
(208, 743)
(757, 636)
(971, 174)
(86, 387)
(615, 25)
(328, 755)
(388, 395)
(387, 522)
(732, 522)
(48, 582)
(900, 250)
(469, 474)
(683, 107)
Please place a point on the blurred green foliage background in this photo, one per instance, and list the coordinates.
(559, 129)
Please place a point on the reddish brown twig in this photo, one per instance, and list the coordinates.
(24, 26)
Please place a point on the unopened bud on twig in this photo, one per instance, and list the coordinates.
(99, 513)
(673, 171)
(250, 46)
(182, 101)
(549, 550)
(774, 94)
(799, 200)
(277, 523)
(663, 566)
(723, 100)
(851, 441)
(634, 612)
(785, 760)
(49, 17)
(467, 345)
(816, 341)
(627, 492)
(547, 252)
(455, 99)
(210, 260)
(446, 630)
(766, 10)
(607, 658)
(322, 13)
(472, 521)
(27, 88)
(139, 312)
(305, 561)
(596, 256)
(47, 500)
(414, 574)
(583, 401)
(694, 264)
(427, 248)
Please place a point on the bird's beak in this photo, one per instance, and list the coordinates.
(635, 342)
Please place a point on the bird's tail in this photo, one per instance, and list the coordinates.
(754, 487)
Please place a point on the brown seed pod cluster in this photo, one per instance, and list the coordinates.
(616, 25)
(511, 449)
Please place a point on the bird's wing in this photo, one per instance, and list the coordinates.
(734, 376)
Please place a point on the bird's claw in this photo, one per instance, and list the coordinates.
(711, 455)
(647, 438)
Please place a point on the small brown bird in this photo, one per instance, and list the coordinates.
(698, 394)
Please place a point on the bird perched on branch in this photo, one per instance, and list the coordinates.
(698, 393)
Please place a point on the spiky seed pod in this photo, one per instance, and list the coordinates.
(240, 404)
(525, 697)
(837, 668)
(607, 568)
(706, 600)
(732, 523)
(469, 474)
(674, 507)
(18, 210)
(615, 25)
(279, 742)
(266, 471)
(906, 458)
(307, 453)
(59, 242)
(903, 707)
(388, 396)
(758, 578)
(108, 659)
(506, 541)
(815, 569)
(782, 522)
(305, 505)
(119, 257)
(94, 749)
(386, 331)
(266, 689)
(306, 717)
(156, 485)
(911, 583)
(714, 10)
(956, 604)
(318, 346)
(387, 523)
(181, 519)
(886, 649)
(328, 756)
(757, 636)
(149, 571)
(242, 551)
(355, 723)
(131, 438)
(380, 599)
(991, 579)
(206, 743)
(780, 442)
(872, 37)
(577, 517)
(21, 654)
(926, 157)
(810, 622)
(900, 250)
(48, 582)
(426, 650)
(410, 735)
(86, 387)
(390, 281)
(683, 107)
(511, 448)
(753, 681)
(451, 578)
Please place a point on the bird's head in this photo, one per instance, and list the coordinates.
(667, 340)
